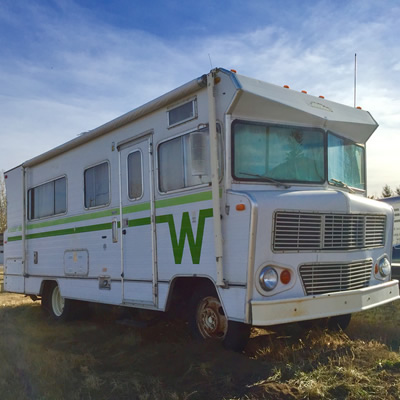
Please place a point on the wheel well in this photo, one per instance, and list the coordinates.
(45, 285)
(182, 289)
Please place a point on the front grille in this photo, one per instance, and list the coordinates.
(312, 231)
(334, 277)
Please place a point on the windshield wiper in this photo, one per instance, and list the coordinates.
(267, 179)
(339, 183)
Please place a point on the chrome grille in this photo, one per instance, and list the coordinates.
(312, 231)
(334, 277)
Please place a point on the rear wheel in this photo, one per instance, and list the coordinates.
(59, 308)
(209, 322)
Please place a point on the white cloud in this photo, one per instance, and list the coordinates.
(76, 72)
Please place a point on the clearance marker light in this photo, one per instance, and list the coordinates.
(285, 276)
(234, 71)
(321, 97)
(359, 108)
(304, 91)
(240, 207)
(286, 86)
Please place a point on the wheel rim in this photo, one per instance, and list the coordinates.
(211, 320)
(57, 302)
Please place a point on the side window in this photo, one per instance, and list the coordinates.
(135, 185)
(182, 113)
(184, 161)
(97, 188)
(48, 199)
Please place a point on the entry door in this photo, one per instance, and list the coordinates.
(139, 273)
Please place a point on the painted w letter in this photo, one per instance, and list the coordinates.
(195, 244)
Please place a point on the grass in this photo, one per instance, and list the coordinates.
(98, 359)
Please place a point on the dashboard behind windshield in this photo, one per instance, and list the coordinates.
(294, 154)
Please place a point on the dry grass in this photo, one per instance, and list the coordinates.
(98, 359)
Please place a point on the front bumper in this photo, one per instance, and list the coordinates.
(265, 313)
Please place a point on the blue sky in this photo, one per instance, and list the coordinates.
(69, 66)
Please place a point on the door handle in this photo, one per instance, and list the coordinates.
(114, 230)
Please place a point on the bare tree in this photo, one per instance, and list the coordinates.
(387, 191)
(3, 204)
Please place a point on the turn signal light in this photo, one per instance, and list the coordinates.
(285, 276)
(240, 207)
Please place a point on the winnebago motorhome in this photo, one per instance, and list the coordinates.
(244, 199)
(395, 203)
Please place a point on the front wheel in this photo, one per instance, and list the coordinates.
(209, 322)
(339, 322)
(59, 308)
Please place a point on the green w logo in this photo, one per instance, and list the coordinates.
(186, 231)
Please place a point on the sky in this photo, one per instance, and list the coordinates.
(68, 66)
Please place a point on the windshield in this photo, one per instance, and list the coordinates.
(345, 162)
(279, 153)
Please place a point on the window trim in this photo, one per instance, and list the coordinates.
(186, 188)
(192, 100)
(137, 150)
(109, 185)
(44, 183)
(364, 166)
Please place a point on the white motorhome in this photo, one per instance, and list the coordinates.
(244, 199)
(395, 203)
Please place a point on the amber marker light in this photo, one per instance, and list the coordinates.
(304, 91)
(376, 268)
(240, 207)
(234, 71)
(286, 86)
(359, 108)
(321, 97)
(285, 276)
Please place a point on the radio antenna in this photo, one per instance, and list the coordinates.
(209, 57)
(355, 80)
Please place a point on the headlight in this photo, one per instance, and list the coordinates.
(384, 266)
(268, 278)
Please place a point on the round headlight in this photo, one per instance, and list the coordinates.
(268, 278)
(384, 266)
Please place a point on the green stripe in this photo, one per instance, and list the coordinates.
(175, 201)
(191, 198)
(139, 222)
(14, 238)
(71, 231)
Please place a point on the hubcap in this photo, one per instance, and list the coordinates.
(211, 320)
(57, 302)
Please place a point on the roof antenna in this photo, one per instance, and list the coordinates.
(355, 80)
(209, 57)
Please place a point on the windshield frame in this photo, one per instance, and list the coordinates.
(325, 133)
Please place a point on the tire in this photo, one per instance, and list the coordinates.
(208, 322)
(59, 308)
(339, 322)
